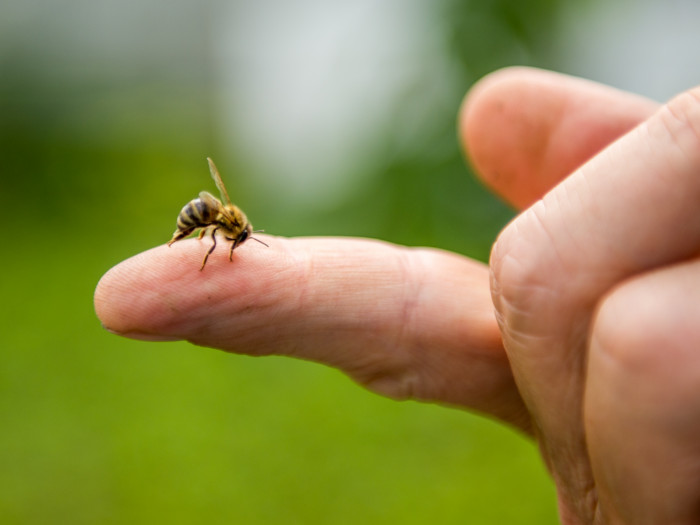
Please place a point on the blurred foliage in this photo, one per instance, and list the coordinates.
(95, 162)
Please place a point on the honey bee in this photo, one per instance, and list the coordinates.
(208, 213)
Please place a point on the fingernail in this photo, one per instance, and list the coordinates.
(143, 336)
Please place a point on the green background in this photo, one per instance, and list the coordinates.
(98, 429)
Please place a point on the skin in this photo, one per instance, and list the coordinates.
(581, 332)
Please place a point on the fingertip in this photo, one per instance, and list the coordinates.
(474, 111)
(487, 93)
(117, 292)
(503, 128)
(161, 294)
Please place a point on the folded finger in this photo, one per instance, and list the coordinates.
(525, 129)
(642, 404)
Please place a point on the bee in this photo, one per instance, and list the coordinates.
(208, 213)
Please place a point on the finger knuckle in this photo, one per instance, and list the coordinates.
(522, 260)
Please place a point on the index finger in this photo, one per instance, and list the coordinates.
(406, 322)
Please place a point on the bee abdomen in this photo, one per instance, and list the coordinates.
(195, 214)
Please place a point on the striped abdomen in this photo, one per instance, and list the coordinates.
(198, 213)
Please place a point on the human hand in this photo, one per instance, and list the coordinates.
(412, 323)
(596, 288)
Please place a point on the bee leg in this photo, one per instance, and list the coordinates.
(233, 247)
(180, 234)
(201, 233)
(211, 249)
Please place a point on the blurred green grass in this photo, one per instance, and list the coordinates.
(99, 429)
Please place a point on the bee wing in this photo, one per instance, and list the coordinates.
(217, 180)
(208, 199)
(213, 204)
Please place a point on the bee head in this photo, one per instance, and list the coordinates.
(244, 234)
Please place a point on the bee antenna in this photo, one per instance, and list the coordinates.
(255, 239)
